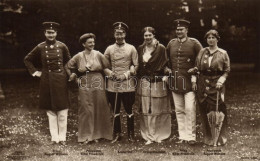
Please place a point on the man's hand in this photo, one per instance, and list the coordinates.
(165, 78)
(167, 70)
(219, 85)
(193, 70)
(38, 74)
(121, 77)
(73, 76)
(194, 86)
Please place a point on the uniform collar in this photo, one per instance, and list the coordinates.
(121, 43)
(51, 42)
(183, 39)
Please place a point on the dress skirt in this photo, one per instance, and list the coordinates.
(155, 122)
(94, 111)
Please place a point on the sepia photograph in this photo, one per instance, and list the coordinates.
(129, 80)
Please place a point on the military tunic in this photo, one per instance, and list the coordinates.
(121, 58)
(182, 57)
(53, 81)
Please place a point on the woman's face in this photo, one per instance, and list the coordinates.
(89, 44)
(212, 40)
(148, 37)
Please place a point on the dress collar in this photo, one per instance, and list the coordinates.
(211, 54)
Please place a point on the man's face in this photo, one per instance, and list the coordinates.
(50, 34)
(181, 32)
(119, 36)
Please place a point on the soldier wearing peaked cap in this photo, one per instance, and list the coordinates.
(182, 52)
(53, 56)
(120, 85)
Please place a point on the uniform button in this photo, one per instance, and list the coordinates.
(47, 56)
(49, 70)
(57, 45)
(206, 56)
(205, 94)
(59, 69)
(51, 46)
(209, 70)
(59, 63)
(179, 53)
(58, 54)
(188, 60)
(178, 60)
(46, 51)
(48, 61)
(205, 61)
(57, 50)
(207, 88)
(207, 81)
(45, 46)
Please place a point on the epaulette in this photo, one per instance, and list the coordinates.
(193, 39)
(60, 42)
(42, 43)
(172, 41)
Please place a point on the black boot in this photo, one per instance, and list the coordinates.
(130, 128)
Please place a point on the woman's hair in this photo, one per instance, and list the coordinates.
(212, 32)
(149, 29)
(86, 36)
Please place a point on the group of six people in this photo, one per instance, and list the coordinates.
(183, 69)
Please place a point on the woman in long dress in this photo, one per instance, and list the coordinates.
(94, 113)
(213, 66)
(156, 120)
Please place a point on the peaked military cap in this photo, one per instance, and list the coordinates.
(181, 23)
(50, 25)
(120, 26)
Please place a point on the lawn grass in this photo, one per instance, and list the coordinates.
(24, 130)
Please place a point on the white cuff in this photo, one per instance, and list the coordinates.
(127, 74)
(193, 78)
(34, 74)
(222, 79)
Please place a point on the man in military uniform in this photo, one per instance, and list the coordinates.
(120, 85)
(53, 56)
(182, 52)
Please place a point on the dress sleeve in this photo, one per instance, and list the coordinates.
(226, 68)
(103, 60)
(31, 58)
(72, 64)
(107, 70)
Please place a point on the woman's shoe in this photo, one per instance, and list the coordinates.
(148, 142)
(181, 141)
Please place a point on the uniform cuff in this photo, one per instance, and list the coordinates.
(34, 74)
(193, 78)
(127, 74)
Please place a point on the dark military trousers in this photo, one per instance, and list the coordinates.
(128, 99)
